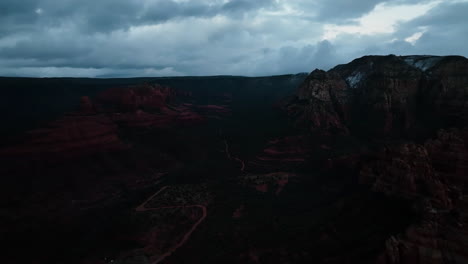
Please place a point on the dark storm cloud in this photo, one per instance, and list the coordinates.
(14, 8)
(443, 32)
(446, 30)
(201, 37)
(445, 15)
(337, 10)
(42, 49)
(108, 15)
(344, 11)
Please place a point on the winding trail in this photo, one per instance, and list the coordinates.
(230, 157)
(226, 150)
(143, 208)
(241, 162)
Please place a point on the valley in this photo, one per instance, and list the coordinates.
(364, 163)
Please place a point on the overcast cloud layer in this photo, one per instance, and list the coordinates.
(124, 38)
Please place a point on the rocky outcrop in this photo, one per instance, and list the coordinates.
(433, 178)
(449, 155)
(321, 103)
(406, 172)
(440, 238)
(408, 97)
(154, 106)
(383, 94)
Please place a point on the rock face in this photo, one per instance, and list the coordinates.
(403, 99)
(321, 102)
(434, 179)
(384, 96)
(449, 155)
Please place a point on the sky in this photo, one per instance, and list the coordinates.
(128, 38)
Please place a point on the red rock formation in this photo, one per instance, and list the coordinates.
(405, 171)
(320, 102)
(383, 91)
(449, 155)
(94, 127)
(397, 97)
(384, 96)
(70, 136)
(152, 97)
(149, 106)
(433, 177)
(440, 238)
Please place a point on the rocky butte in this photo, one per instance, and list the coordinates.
(413, 111)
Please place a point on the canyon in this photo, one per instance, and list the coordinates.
(364, 163)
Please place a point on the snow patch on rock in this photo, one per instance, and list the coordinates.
(354, 79)
(422, 63)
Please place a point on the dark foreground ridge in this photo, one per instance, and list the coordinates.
(364, 163)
